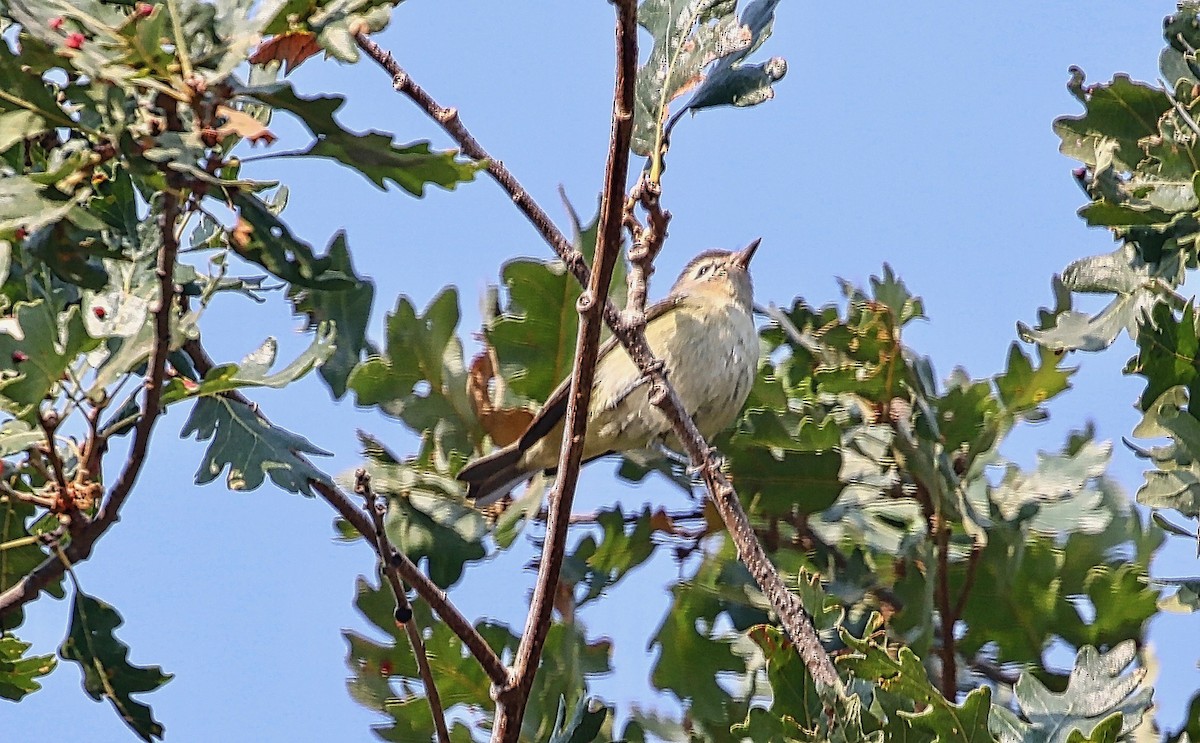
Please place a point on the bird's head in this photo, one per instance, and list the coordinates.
(723, 273)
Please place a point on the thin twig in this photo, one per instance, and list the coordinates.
(449, 120)
(791, 614)
(28, 587)
(404, 613)
(992, 672)
(510, 709)
(647, 242)
(49, 421)
(397, 562)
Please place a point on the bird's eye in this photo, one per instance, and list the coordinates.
(703, 270)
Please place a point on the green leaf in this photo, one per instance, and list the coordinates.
(18, 522)
(107, 673)
(1096, 690)
(349, 309)
(1168, 352)
(599, 563)
(1018, 590)
(900, 672)
(250, 447)
(254, 370)
(733, 81)
(1123, 111)
(445, 533)
(1185, 600)
(794, 695)
(27, 103)
(25, 205)
(18, 674)
(1176, 481)
(690, 661)
(35, 351)
(1058, 497)
(420, 377)
(373, 154)
(774, 483)
(270, 244)
(1023, 388)
(584, 725)
(1108, 731)
(688, 38)
(534, 336)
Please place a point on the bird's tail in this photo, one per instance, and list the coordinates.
(490, 478)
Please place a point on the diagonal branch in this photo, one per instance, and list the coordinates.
(750, 551)
(80, 548)
(397, 567)
(510, 709)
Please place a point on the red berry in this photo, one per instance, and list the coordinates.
(143, 9)
(385, 668)
(56, 22)
(20, 233)
(100, 313)
(74, 40)
(19, 356)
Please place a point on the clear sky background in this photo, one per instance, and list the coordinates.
(913, 133)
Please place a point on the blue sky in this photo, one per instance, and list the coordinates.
(916, 134)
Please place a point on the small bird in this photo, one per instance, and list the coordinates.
(704, 334)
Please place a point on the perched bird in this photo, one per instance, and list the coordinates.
(704, 334)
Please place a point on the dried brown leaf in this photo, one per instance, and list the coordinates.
(291, 48)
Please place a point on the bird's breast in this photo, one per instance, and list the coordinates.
(710, 352)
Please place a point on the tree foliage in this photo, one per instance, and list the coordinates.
(938, 574)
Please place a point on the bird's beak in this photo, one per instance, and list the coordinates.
(741, 259)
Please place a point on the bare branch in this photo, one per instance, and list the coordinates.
(510, 709)
(404, 613)
(80, 548)
(647, 243)
(450, 121)
(795, 622)
(942, 590)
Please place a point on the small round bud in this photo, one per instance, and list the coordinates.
(74, 40)
(403, 614)
(585, 302)
(19, 357)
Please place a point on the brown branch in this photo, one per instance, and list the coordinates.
(511, 702)
(942, 589)
(404, 614)
(628, 518)
(647, 243)
(791, 614)
(49, 422)
(80, 548)
(969, 581)
(449, 120)
(396, 562)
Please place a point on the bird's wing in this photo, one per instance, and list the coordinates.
(555, 407)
